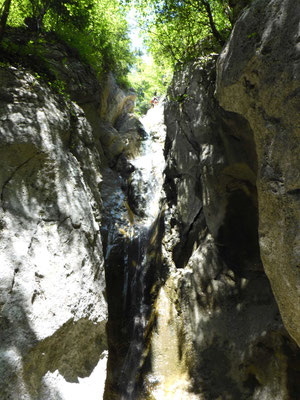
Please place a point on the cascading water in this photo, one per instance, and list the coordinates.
(147, 178)
(145, 193)
(130, 228)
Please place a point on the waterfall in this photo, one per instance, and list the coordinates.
(145, 190)
(147, 178)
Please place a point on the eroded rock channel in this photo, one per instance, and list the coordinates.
(132, 236)
(192, 313)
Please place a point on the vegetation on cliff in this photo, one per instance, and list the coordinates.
(174, 32)
(98, 29)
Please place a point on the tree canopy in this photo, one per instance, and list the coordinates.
(175, 31)
(179, 30)
(148, 78)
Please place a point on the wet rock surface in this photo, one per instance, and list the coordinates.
(131, 232)
(231, 216)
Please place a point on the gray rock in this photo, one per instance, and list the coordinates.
(114, 101)
(74, 77)
(53, 307)
(259, 78)
(219, 311)
(56, 192)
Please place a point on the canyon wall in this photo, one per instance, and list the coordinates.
(258, 78)
(228, 337)
(231, 219)
(59, 131)
(184, 307)
(52, 286)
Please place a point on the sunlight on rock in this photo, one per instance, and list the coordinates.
(90, 388)
(169, 378)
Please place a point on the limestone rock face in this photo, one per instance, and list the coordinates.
(120, 131)
(53, 309)
(224, 333)
(259, 78)
(114, 101)
(237, 6)
(105, 105)
(60, 131)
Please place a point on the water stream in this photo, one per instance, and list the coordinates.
(146, 185)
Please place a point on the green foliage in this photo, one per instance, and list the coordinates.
(43, 13)
(4, 64)
(9, 46)
(59, 87)
(178, 31)
(252, 35)
(175, 31)
(148, 78)
(96, 28)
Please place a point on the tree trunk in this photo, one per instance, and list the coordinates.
(215, 32)
(3, 19)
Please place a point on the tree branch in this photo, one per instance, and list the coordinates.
(215, 32)
(4, 18)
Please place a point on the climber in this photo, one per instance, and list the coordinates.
(154, 101)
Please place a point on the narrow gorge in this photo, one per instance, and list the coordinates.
(153, 258)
